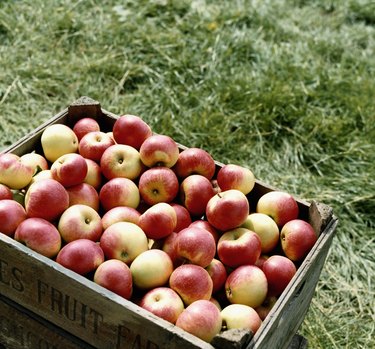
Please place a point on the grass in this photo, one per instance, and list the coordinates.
(284, 87)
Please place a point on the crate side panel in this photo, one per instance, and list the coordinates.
(20, 329)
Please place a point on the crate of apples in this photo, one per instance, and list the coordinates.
(203, 246)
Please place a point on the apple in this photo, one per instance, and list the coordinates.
(201, 319)
(164, 303)
(195, 161)
(196, 246)
(191, 282)
(195, 192)
(158, 221)
(158, 184)
(239, 246)
(280, 206)
(12, 214)
(183, 216)
(40, 175)
(94, 144)
(84, 126)
(227, 210)
(233, 176)
(131, 130)
(168, 245)
(84, 194)
(36, 161)
(94, 174)
(123, 241)
(46, 198)
(120, 160)
(5, 192)
(260, 262)
(119, 192)
(81, 256)
(218, 274)
(57, 140)
(247, 284)
(115, 276)
(39, 235)
(201, 223)
(279, 270)
(266, 228)
(264, 309)
(159, 150)
(240, 316)
(13, 172)
(69, 169)
(80, 222)
(297, 239)
(151, 268)
(120, 214)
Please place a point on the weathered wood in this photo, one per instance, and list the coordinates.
(105, 320)
(21, 329)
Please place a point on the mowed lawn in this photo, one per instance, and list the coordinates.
(286, 88)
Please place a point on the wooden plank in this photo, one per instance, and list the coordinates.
(21, 329)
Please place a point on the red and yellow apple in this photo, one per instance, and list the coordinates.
(13, 172)
(233, 176)
(240, 316)
(94, 144)
(83, 194)
(120, 214)
(12, 214)
(69, 169)
(84, 126)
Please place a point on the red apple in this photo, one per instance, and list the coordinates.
(83, 194)
(247, 285)
(158, 221)
(120, 160)
(240, 316)
(260, 262)
(158, 184)
(183, 217)
(279, 270)
(297, 239)
(218, 273)
(235, 177)
(13, 172)
(115, 276)
(131, 130)
(5, 192)
(169, 246)
(84, 126)
(58, 140)
(46, 199)
(201, 319)
(266, 228)
(123, 241)
(201, 223)
(69, 169)
(119, 192)
(239, 246)
(280, 206)
(39, 235)
(163, 302)
(196, 245)
(191, 282)
(151, 268)
(81, 256)
(80, 222)
(120, 214)
(94, 144)
(195, 161)
(36, 161)
(227, 210)
(159, 150)
(94, 174)
(195, 192)
(11, 215)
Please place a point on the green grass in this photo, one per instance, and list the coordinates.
(285, 88)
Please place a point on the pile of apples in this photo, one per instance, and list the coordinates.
(158, 224)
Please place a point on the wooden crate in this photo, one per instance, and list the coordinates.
(103, 319)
